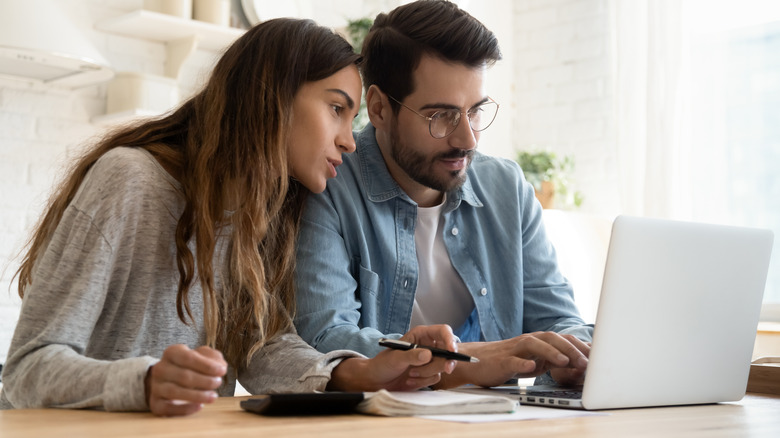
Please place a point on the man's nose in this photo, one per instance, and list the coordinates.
(463, 137)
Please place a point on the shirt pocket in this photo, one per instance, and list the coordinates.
(369, 281)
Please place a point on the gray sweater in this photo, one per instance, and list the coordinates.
(102, 305)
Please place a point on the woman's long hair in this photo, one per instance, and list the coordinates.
(227, 146)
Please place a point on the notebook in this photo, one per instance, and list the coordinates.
(677, 317)
(382, 402)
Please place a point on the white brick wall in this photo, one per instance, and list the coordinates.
(563, 90)
(40, 130)
(553, 86)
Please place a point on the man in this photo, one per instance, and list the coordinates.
(418, 228)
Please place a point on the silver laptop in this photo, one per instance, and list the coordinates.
(677, 317)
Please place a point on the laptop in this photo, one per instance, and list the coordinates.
(676, 320)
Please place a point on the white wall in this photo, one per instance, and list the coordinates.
(563, 90)
(42, 128)
(553, 86)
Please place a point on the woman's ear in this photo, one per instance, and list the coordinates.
(378, 108)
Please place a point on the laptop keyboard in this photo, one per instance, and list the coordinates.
(563, 393)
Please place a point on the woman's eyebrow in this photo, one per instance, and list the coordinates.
(350, 101)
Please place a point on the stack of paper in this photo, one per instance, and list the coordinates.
(433, 403)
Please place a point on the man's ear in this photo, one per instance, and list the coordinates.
(378, 108)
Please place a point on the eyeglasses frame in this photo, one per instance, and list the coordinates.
(430, 118)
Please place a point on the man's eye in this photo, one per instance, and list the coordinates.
(450, 116)
(444, 115)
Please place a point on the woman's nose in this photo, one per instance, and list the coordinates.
(346, 141)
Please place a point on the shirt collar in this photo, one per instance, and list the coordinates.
(380, 185)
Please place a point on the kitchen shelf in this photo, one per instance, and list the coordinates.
(164, 28)
(181, 36)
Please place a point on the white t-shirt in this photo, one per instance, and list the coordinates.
(442, 296)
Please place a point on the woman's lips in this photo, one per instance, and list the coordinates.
(333, 165)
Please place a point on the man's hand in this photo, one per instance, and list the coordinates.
(397, 370)
(527, 355)
(571, 375)
(184, 379)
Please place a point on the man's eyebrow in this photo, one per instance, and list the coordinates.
(451, 106)
(350, 101)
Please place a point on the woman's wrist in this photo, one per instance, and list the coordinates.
(148, 385)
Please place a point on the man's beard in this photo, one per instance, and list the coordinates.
(420, 168)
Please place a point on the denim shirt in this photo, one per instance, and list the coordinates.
(357, 271)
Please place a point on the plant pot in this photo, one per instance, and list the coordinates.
(546, 195)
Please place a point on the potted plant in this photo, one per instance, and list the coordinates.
(356, 32)
(549, 175)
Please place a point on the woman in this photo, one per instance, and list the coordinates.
(174, 240)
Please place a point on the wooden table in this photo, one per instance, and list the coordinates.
(754, 416)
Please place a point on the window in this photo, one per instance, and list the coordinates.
(697, 114)
(735, 119)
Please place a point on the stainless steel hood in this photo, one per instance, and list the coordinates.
(40, 42)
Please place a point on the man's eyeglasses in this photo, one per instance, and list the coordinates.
(443, 122)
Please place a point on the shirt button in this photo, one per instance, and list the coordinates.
(455, 231)
(483, 291)
(406, 282)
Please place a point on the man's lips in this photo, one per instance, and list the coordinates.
(454, 163)
(457, 160)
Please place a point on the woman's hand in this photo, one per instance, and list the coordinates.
(527, 355)
(184, 379)
(397, 370)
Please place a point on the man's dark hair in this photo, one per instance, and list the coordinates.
(397, 41)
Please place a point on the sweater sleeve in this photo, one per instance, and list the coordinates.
(47, 365)
(288, 364)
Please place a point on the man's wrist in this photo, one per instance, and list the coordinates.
(349, 375)
(458, 377)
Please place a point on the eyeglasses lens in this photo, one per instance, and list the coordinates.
(443, 123)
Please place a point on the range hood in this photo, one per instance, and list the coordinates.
(41, 43)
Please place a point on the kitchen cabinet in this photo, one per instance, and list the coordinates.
(181, 36)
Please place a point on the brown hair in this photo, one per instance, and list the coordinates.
(397, 41)
(229, 138)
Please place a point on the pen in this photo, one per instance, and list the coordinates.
(438, 352)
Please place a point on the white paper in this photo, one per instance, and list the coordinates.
(521, 413)
(433, 402)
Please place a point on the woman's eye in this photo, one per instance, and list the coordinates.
(337, 108)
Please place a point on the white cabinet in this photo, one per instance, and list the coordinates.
(181, 37)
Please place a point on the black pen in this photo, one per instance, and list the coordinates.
(438, 352)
